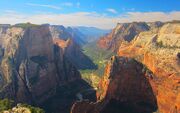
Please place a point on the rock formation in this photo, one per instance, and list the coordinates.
(158, 50)
(156, 24)
(32, 67)
(124, 88)
(74, 53)
(59, 31)
(122, 32)
(3, 30)
(145, 85)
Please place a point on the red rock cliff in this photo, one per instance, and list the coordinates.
(125, 88)
(149, 85)
(158, 49)
(122, 32)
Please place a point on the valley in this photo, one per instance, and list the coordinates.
(100, 58)
(89, 56)
(133, 68)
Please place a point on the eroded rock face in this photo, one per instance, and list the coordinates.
(3, 30)
(154, 25)
(158, 49)
(122, 32)
(70, 41)
(60, 32)
(128, 85)
(32, 66)
(125, 88)
(74, 54)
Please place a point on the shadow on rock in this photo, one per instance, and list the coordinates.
(67, 94)
(125, 88)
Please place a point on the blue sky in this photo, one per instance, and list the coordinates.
(98, 13)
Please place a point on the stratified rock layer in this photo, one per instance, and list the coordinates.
(122, 32)
(125, 88)
(158, 50)
(73, 52)
(150, 85)
(32, 67)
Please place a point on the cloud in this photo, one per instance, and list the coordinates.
(112, 10)
(151, 16)
(68, 4)
(88, 18)
(43, 5)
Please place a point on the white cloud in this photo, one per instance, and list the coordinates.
(112, 10)
(68, 4)
(43, 5)
(88, 18)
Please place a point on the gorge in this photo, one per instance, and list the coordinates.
(135, 68)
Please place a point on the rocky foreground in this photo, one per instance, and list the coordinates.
(144, 77)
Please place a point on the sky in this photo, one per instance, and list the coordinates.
(103, 14)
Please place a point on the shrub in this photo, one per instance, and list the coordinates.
(33, 109)
(6, 104)
(160, 44)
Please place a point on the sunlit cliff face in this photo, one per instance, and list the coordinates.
(160, 79)
(158, 50)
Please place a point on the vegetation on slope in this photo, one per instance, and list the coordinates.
(25, 25)
(99, 57)
(8, 106)
(5, 104)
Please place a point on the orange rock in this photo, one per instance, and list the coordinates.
(162, 61)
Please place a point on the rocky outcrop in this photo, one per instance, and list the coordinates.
(158, 50)
(32, 67)
(125, 88)
(122, 32)
(154, 25)
(77, 36)
(74, 54)
(60, 32)
(145, 85)
(69, 39)
(3, 30)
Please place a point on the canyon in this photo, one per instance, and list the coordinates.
(36, 63)
(144, 76)
(135, 68)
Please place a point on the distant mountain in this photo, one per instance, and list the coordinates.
(91, 33)
(3, 30)
(81, 35)
(123, 32)
(78, 36)
(59, 31)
